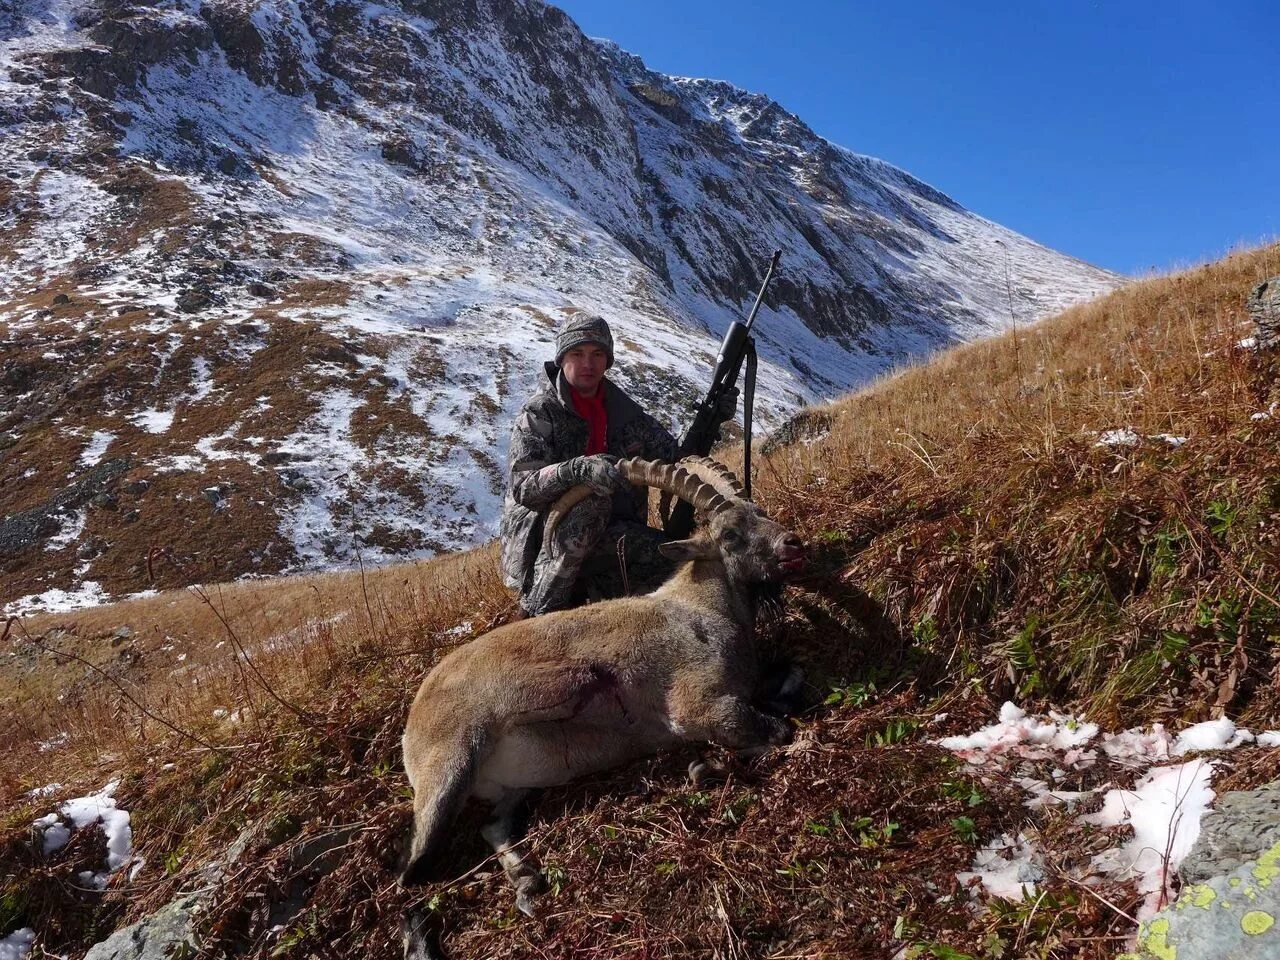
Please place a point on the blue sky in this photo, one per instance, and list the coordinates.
(1129, 134)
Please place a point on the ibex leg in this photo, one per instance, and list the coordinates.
(504, 832)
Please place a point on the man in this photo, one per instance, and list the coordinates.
(573, 431)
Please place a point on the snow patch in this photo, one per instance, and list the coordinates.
(17, 945)
(97, 447)
(96, 808)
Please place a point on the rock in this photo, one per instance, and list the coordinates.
(104, 501)
(228, 164)
(123, 633)
(61, 299)
(20, 531)
(1241, 827)
(194, 300)
(169, 932)
(261, 290)
(91, 547)
(1230, 898)
(275, 457)
(131, 517)
(1264, 309)
(137, 486)
(805, 426)
(1229, 917)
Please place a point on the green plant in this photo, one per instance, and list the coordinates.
(737, 808)
(1021, 652)
(964, 790)
(965, 829)
(895, 731)
(1220, 515)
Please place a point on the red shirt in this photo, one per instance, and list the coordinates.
(591, 409)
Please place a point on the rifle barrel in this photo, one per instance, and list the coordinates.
(768, 275)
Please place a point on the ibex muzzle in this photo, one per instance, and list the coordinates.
(539, 702)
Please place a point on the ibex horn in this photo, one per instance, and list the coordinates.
(669, 478)
(717, 474)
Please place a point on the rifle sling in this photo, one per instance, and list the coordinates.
(748, 408)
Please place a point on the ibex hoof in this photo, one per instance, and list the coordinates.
(528, 888)
(781, 734)
(704, 773)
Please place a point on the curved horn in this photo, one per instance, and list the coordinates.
(717, 474)
(676, 479)
(669, 478)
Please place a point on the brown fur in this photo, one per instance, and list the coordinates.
(539, 702)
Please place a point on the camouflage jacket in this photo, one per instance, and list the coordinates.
(548, 432)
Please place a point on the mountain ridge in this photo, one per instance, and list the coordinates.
(293, 268)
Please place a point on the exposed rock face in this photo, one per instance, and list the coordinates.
(167, 933)
(1242, 826)
(1230, 900)
(1264, 310)
(342, 234)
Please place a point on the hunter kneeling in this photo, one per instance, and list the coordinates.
(572, 432)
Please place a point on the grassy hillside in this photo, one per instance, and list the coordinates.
(975, 540)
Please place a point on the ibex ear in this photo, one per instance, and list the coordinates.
(699, 548)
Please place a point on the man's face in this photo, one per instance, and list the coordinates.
(584, 368)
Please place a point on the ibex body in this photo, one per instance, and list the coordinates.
(539, 702)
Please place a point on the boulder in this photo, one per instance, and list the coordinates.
(1243, 825)
(167, 933)
(1264, 309)
(1229, 917)
(1230, 899)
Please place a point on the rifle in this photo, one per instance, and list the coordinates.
(737, 348)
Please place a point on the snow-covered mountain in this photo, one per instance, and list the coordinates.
(275, 276)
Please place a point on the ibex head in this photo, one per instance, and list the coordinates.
(755, 550)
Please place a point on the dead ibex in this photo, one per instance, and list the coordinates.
(539, 702)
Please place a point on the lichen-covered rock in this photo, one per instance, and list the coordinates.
(1264, 309)
(1229, 917)
(167, 934)
(1242, 826)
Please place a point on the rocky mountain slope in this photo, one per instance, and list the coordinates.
(274, 277)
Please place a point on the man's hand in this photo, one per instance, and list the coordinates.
(599, 472)
(727, 405)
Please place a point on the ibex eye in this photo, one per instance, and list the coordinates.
(730, 536)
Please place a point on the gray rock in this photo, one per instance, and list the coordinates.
(807, 425)
(1229, 917)
(168, 934)
(1264, 309)
(1230, 899)
(22, 531)
(1242, 827)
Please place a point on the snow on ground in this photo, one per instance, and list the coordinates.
(1163, 807)
(72, 527)
(96, 808)
(1120, 437)
(89, 593)
(153, 420)
(17, 944)
(97, 447)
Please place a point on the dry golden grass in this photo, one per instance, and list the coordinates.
(1121, 360)
(242, 646)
